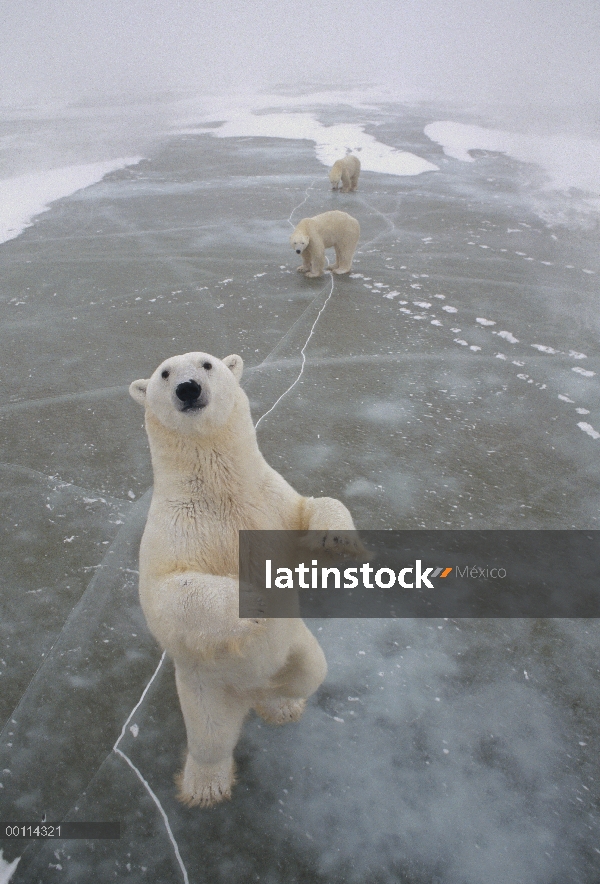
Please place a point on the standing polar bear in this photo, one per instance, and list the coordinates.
(345, 171)
(210, 482)
(331, 229)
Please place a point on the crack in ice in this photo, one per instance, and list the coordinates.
(290, 330)
(303, 354)
(392, 226)
(306, 193)
(145, 782)
(63, 485)
(23, 405)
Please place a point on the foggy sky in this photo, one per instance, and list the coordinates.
(523, 50)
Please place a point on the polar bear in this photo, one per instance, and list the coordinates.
(346, 171)
(313, 235)
(211, 481)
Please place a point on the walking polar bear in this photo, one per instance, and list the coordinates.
(211, 481)
(345, 171)
(331, 229)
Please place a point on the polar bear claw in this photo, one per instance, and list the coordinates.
(207, 785)
(281, 710)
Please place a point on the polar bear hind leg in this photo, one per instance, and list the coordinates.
(301, 675)
(213, 719)
(344, 253)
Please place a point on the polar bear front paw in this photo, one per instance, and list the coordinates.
(207, 784)
(280, 711)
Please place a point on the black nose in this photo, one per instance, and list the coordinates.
(188, 391)
(297, 251)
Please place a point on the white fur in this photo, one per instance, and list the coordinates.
(346, 172)
(330, 229)
(210, 481)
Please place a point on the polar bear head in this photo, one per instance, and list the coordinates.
(191, 393)
(335, 175)
(299, 241)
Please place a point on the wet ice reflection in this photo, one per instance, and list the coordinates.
(449, 382)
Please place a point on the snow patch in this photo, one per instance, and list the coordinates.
(331, 142)
(24, 197)
(588, 428)
(570, 162)
(507, 337)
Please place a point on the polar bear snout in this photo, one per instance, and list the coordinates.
(188, 392)
(298, 251)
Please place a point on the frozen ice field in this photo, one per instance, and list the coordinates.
(451, 381)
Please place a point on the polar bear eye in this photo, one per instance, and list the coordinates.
(207, 366)
(165, 374)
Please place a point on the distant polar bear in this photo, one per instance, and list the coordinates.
(331, 229)
(345, 171)
(211, 481)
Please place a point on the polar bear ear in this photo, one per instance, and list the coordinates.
(235, 364)
(137, 391)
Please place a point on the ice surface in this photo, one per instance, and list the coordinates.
(436, 751)
(568, 161)
(331, 142)
(25, 196)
